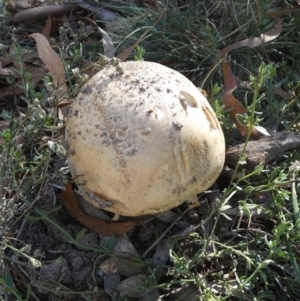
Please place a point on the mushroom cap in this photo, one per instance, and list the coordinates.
(143, 140)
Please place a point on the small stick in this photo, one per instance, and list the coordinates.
(164, 233)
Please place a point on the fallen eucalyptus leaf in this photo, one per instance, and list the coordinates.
(70, 202)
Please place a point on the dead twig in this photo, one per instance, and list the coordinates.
(265, 150)
(42, 12)
(164, 233)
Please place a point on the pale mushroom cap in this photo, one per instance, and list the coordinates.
(143, 140)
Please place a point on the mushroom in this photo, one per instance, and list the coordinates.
(142, 139)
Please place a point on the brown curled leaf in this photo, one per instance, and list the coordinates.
(232, 104)
(51, 60)
(266, 37)
(47, 28)
(54, 64)
(114, 229)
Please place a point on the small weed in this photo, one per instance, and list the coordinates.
(140, 53)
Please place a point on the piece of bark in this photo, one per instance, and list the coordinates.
(265, 150)
(42, 12)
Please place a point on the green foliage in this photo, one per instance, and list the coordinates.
(7, 282)
(257, 258)
(140, 53)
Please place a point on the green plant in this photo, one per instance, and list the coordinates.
(8, 284)
(140, 52)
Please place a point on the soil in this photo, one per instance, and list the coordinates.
(65, 267)
(68, 272)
